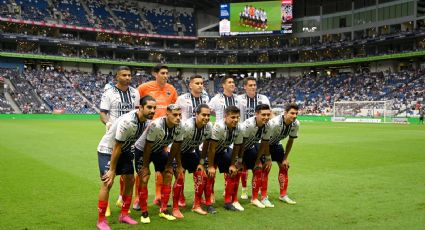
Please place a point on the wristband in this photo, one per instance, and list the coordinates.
(268, 157)
(202, 161)
(239, 160)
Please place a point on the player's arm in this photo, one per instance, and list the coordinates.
(287, 151)
(176, 153)
(147, 151)
(264, 150)
(108, 178)
(204, 153)
(211, 154)
(104, 116)
(237, 152)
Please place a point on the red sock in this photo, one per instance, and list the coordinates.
(102, 205)
(283, 181)
(244, 176)
(182, 198)
(126, 202)
(236, 180)
(158, 185)
(143, 199)
(165, 196)
(229, 187)
(264, 183)
(199, 181)
(121, 185)
(256, 183)
(177, 190)
(209, 190)
(136, 187)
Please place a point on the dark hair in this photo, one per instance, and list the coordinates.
(121, 68)
(171, 107)
(260, 107)
(195, 76)
(144, 100)
(224, 79)
(158, 67)
(291, 106)
(232, 109)
(200, 107)
(245, 80)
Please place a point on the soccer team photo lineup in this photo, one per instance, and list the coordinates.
(212, 114)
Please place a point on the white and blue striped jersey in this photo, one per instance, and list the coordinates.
(193, 136)
(160, 135)
(279, 130)
(188, 103)
(225, 136)
(116, 102)
(127, 129)
(252, 134)
(220, 102)
(247, 104)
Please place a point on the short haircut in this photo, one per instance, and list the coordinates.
(195, 77)
(158, 67)
(232, 109)
(121, 68)
(200, 107)
(224, 79)
(291, 106)
(245, 80)
(144, 100)
(172, 107)
(260, 107)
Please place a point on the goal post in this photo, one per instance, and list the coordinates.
(363, 111)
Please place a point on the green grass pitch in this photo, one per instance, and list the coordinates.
(272, 9)
(343, 176)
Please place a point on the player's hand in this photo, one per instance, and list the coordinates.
(267, 165)
(258, 165)
(211, 172)
(233, 170)
(108, 178)
(179, 170)
(108, 125)
(285, 164)
(145, 172)
(239, 166)
(200, 168)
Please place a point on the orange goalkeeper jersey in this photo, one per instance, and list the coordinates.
(164, 96)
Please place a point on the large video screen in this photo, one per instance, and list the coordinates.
(246, 18)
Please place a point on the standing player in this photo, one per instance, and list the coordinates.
(115, 157)
(247, 103)
(421, 115)
(282, 127)
(117, 100)
(196, 131)
(151, 147)
(165, 94)
(255, 129)
(189, 102)
(222, 100)
(224, 134)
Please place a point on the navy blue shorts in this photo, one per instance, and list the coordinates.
(159, 159)
(190, 160)
(223, 160)
(277, 152)
(124, 164)
(250, 156)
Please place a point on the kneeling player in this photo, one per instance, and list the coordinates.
(196, 130)
(151, 147)
(255, 129)
(225, 133)
(115, 157)
(281, 127)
